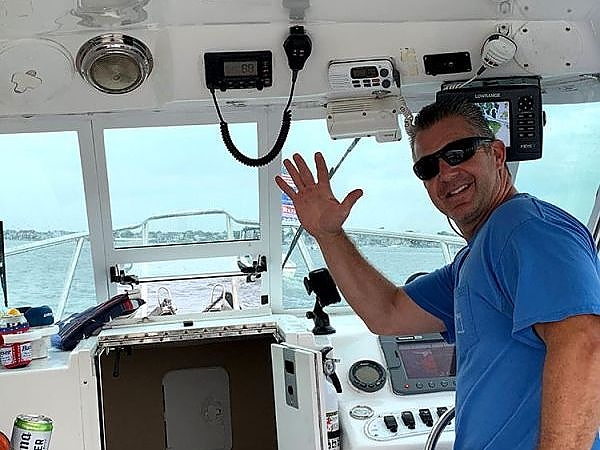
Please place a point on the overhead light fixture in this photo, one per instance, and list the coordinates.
(114, 63)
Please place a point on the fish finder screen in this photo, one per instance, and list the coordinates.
(428, 362)
(419, 364)
(497, 115)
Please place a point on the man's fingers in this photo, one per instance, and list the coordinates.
(351, 199)
(305, 174)
(293, 173)
(322, 172)
(285, 187)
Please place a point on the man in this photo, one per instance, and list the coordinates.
(521, 300)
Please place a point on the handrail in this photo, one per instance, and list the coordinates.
(44, 243)
(79, 238)
(69, 279)
(187, 214)
(442, 240)
(144, 225)
(436, 431)
(410, 235)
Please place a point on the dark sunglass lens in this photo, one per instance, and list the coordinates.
(455, 156)
(427, 167)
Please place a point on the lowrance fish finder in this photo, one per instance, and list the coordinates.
(419, 364)
(512, 107)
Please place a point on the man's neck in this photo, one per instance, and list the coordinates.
(509, 192)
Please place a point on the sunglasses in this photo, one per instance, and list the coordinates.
(453, 153)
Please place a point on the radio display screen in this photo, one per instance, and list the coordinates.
(364, 72)
(240, 68)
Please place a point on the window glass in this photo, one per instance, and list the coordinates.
(179, 184)
(394, 224)
(223, 288)
(568, 174)
(45, 226)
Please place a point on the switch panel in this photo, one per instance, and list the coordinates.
(399, 424)
(391, 423)
(425, 416)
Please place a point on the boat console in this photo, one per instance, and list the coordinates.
(165, 382)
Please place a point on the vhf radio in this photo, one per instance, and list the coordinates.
(238, 70)
(254, 69)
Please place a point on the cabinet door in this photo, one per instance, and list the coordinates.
(298, 398)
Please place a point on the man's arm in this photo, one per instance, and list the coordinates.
(384, 307)
(570, 389)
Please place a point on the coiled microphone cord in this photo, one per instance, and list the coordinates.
(286, 122)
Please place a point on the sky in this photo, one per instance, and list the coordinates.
(183, 168)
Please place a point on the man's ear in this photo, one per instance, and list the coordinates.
(499, 150)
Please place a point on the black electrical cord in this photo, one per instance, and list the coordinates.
(286, 122)
(3, 266)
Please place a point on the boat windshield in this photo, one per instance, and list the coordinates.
(163, 199)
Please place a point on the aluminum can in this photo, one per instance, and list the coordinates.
(31, 432)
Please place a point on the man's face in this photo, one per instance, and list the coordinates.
(468, 191)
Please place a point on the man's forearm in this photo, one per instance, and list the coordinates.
(384, 307)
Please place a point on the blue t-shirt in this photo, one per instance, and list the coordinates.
(530, 262)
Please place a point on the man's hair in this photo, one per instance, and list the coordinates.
(451, 106)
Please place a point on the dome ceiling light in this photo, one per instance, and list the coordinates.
(114, 63)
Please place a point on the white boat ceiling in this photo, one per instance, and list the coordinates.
(40, 39)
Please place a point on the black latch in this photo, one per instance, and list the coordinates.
(118, 276)
(258, 265)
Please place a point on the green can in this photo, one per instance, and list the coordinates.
(31, 432)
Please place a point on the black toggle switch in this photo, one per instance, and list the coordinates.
(408, 419)
(441, 410)
(425, 416)
(390, 423)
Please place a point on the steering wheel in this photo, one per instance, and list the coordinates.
(437, 429)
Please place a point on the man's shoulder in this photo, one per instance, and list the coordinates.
(524, 207)
(511, 214)
(531, 218)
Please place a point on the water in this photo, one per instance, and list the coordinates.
(37, 278)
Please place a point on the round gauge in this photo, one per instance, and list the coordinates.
(367, 375)
(361, 412)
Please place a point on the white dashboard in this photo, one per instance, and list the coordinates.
(381, 419)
